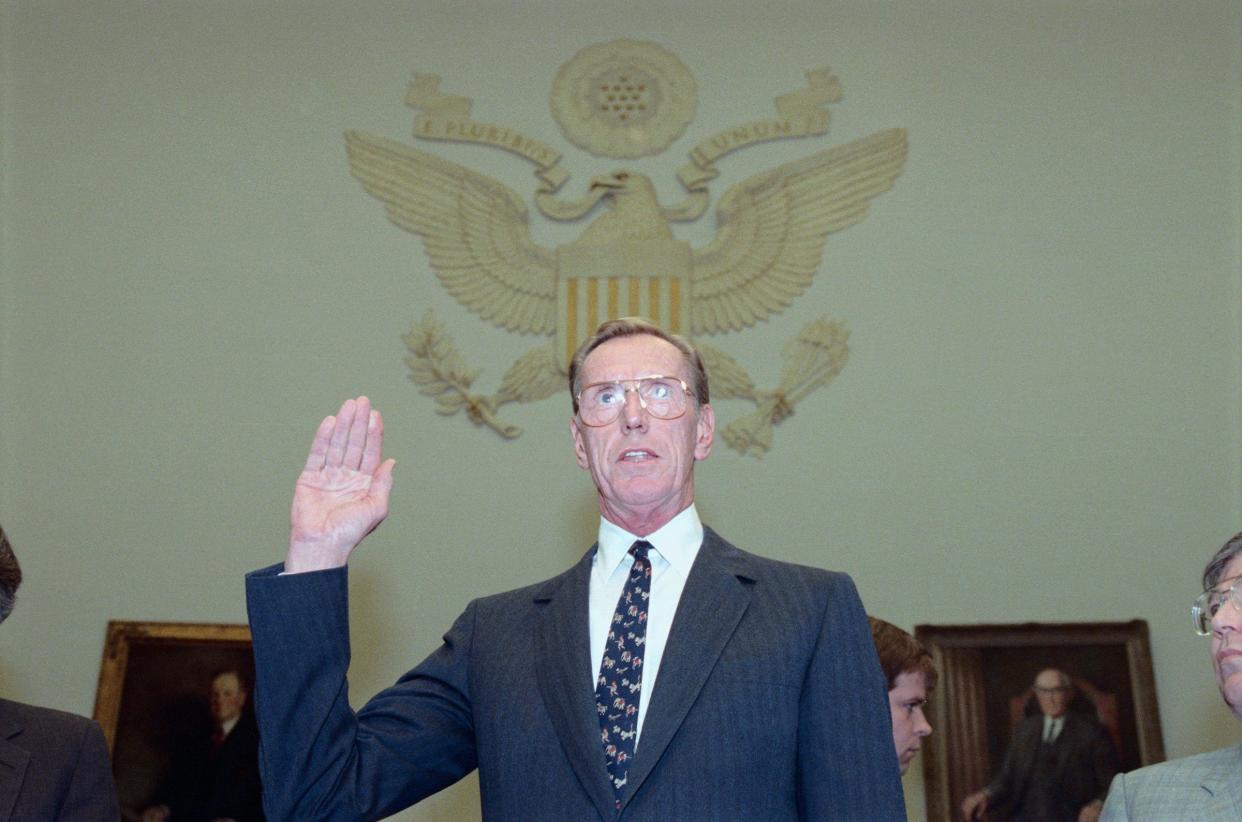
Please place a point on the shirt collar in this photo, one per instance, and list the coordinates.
(677, 541)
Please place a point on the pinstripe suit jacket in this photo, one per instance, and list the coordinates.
(770, 704)
(1202, 788)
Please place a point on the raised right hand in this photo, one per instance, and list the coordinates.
(342, 492)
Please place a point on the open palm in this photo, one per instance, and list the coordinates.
(342, 492)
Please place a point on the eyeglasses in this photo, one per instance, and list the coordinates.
(1056, 689)
(1209, 602)
(663, 398)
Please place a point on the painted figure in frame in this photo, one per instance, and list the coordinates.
(1058, 765)
(215, 773)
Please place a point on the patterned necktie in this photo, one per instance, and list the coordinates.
(621, 672)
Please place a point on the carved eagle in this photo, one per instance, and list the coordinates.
(771, 229)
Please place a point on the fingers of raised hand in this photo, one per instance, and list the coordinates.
(353, 439)
(374, 448)
(338, 441)
(342, 439)
(359, 431)
(319, 445)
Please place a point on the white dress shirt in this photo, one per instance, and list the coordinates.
(674, 548)
(227, 726)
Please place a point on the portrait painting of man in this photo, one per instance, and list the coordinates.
(184, 738)
(1038, 718)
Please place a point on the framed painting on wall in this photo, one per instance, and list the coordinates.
(174, 703)
(986, 689)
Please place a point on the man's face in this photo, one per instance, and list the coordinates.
(906, 701)
(227, 697)
(1227, 642)
(1052, 690)
(643, 467)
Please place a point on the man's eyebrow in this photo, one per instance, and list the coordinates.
(1215, 589)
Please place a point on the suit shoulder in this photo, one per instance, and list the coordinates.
(527, 593)
(777, 569)
(37, 717)
(1189, 768)
(1089, 722)
(46, 729)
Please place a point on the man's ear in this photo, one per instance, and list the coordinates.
(705, 432)
(579, 446)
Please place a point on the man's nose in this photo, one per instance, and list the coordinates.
(921, 726)
(1227, 616)
(633, 413)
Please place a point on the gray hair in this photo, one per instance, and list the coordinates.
(10, 577)
(1220, 561)
(1062, 677)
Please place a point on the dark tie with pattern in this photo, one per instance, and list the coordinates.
(621, 672)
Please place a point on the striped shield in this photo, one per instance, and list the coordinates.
(601, 281)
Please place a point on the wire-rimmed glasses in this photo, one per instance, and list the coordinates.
(663, 398)
(1209, 602)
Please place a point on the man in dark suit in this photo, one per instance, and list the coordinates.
(666, 676)
(215, 774)
(1058, 766)
(53, 765)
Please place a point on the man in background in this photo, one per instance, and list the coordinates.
(216, 776)
(1058, 765)
(1206, 787)
(53, 765)
(908, 667)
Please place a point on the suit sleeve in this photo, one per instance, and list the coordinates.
(1115, 807)
(318, 758)
(92, 791)
(1103, 761)
(847, 765)
(1000, 789)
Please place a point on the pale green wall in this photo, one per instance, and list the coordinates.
(1039, 420)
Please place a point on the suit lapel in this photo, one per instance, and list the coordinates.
(1066, 742)
(13, 762)
(563, 648)
(716, 596)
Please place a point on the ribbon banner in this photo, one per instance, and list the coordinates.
(447, 117)
(801, 115)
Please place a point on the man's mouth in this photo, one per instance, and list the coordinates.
(637, 455)
(1229, 661)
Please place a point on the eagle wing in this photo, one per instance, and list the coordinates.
(773, 227)
(475, 229)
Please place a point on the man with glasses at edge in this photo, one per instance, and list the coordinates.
(1208, 786)
(666, 676)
